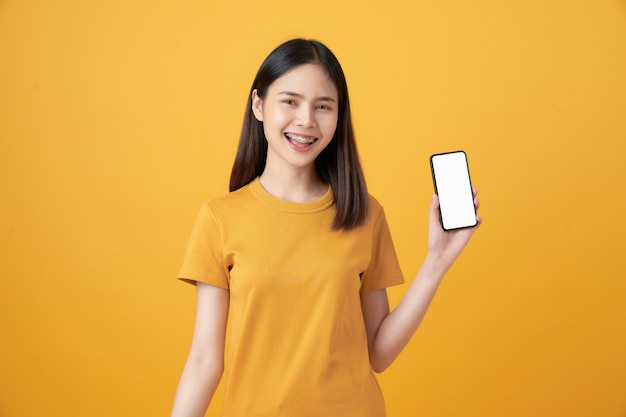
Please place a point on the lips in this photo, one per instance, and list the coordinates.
(300, 140)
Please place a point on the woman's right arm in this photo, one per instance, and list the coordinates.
(205, 363)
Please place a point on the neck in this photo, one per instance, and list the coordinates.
(297, 186)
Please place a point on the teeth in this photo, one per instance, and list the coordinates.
(299, 139)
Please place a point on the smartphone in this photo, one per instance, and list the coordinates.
(453, 185)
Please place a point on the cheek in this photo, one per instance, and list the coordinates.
(330, 127)
(278, 119)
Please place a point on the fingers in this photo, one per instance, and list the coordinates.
(479, 219)
(476, 200)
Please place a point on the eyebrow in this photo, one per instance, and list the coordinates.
(292, 94)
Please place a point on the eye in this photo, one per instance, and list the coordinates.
(289, 101)
(323, 107)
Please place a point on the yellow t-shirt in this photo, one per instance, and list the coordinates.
(298, 345)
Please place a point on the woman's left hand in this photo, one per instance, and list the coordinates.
(444, 247)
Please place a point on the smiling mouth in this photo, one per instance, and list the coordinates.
(300, 140)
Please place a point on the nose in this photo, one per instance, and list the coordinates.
(306, 116)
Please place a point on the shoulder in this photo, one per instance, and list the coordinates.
(231, 199)
(227, 205)
(375, 207)
(374, 203)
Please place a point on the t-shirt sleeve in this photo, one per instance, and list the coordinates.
(204, 259)
(384, 269)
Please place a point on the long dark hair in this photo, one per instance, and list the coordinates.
(338, 164)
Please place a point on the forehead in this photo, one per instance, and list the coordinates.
(306, 79)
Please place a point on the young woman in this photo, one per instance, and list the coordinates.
(297, 259)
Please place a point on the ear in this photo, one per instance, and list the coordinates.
(257, 106)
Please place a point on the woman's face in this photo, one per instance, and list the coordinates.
(299, 115)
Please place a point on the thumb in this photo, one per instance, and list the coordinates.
(434, 212)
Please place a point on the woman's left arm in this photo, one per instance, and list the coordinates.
(389, 332)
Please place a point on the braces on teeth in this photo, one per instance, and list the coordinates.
(300, 140)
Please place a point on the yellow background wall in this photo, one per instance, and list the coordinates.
(118, 118)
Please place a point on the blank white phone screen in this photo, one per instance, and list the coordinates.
(454, 188)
